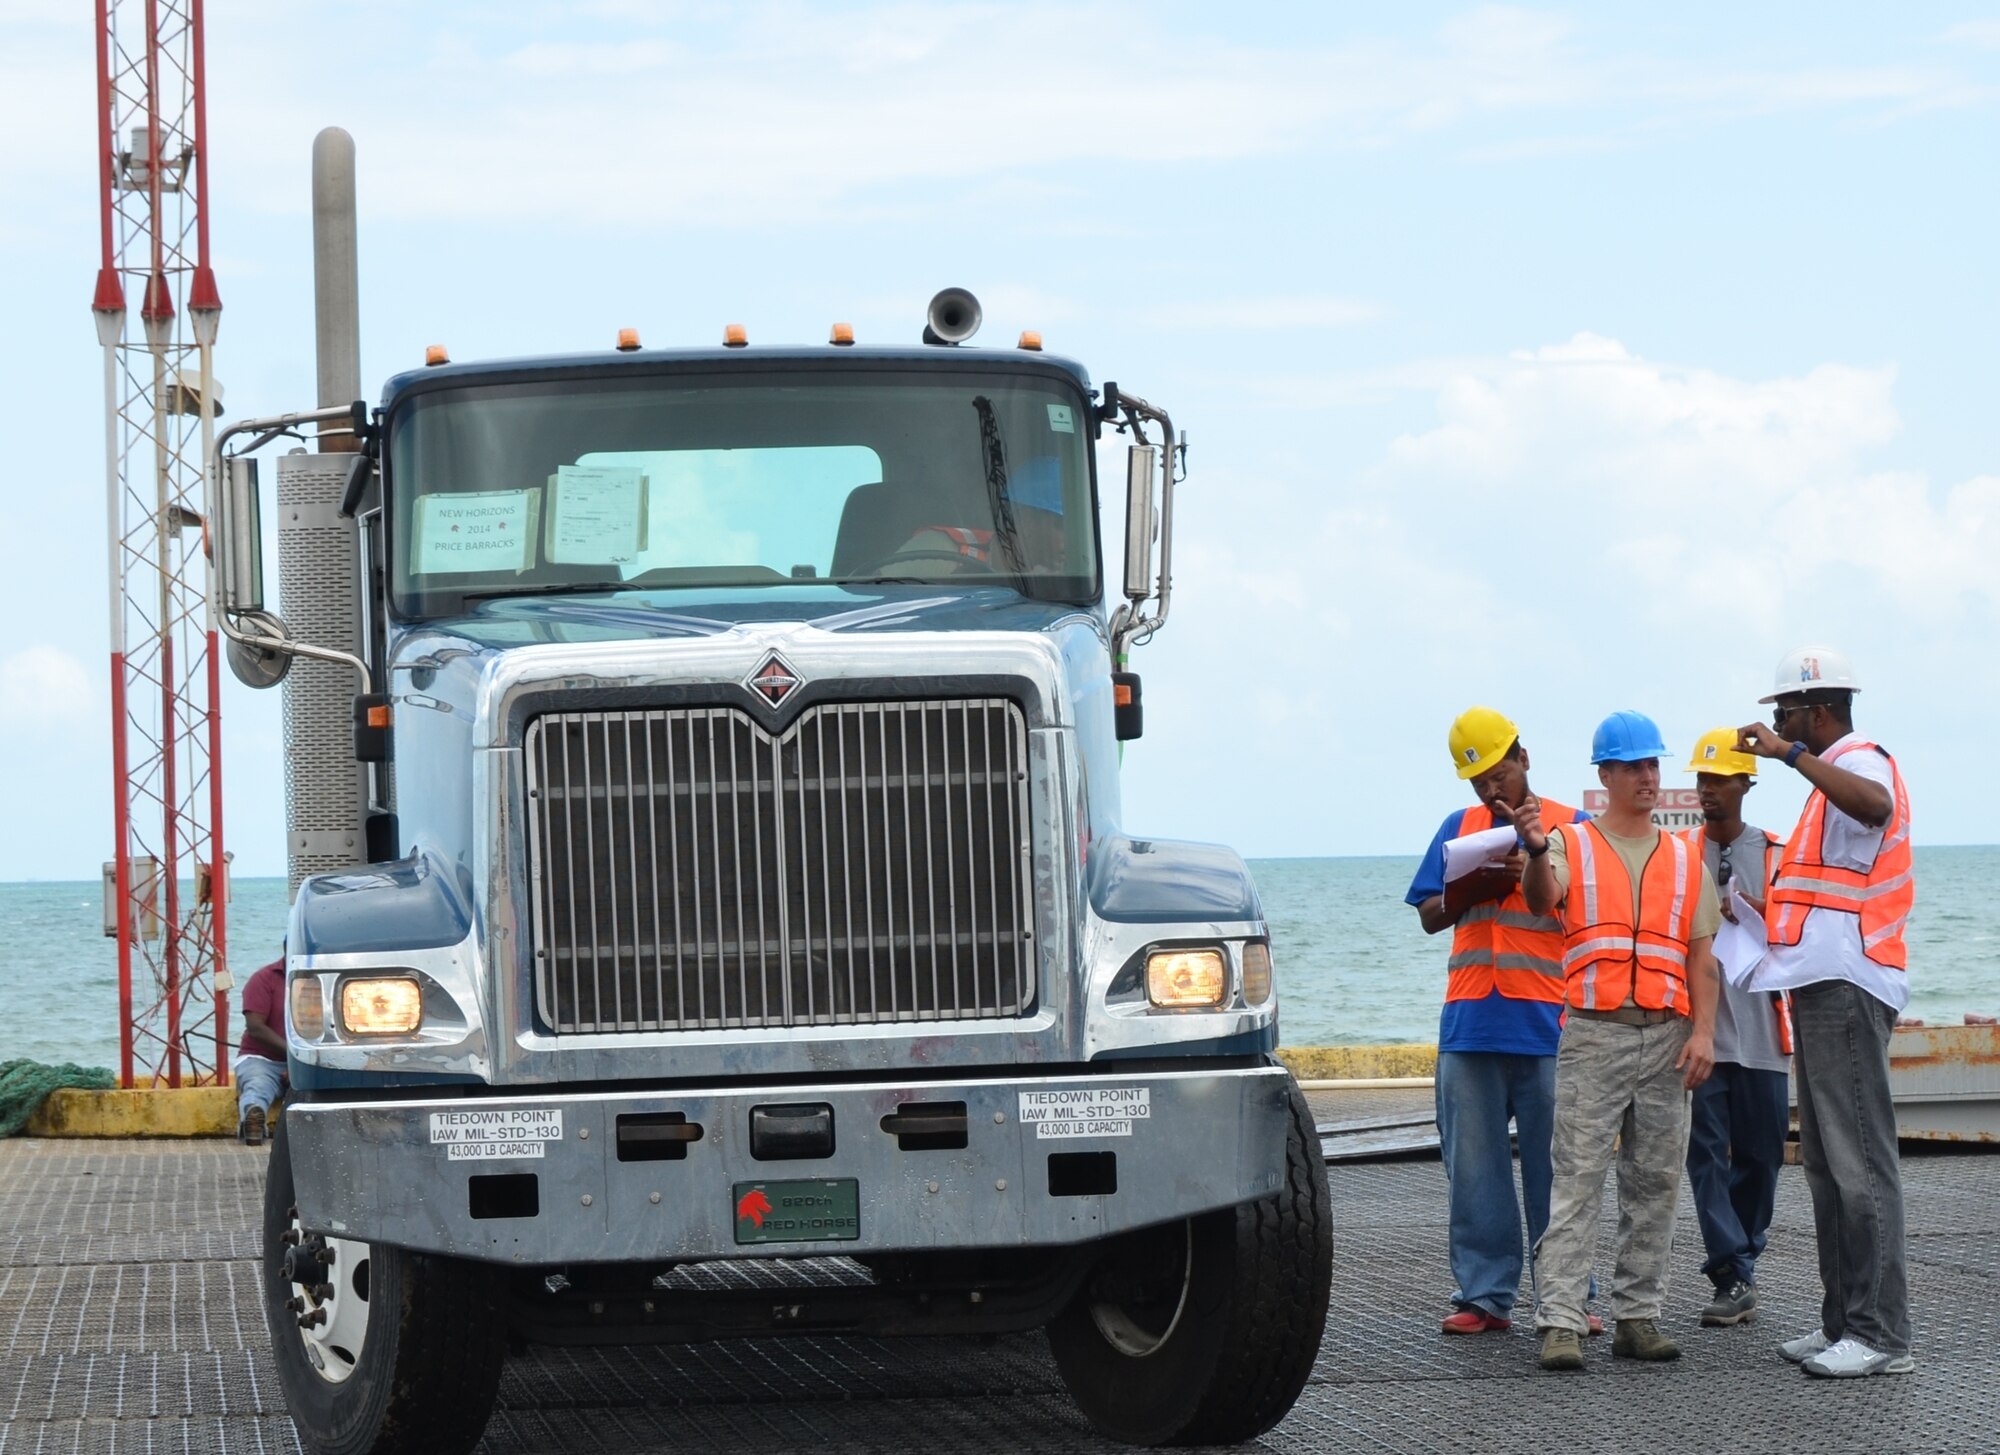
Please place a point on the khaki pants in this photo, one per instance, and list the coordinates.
(1617, 1093)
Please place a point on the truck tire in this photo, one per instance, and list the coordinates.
(407, 1359)
(1203, 1332)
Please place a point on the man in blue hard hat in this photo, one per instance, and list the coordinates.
(1639, 912)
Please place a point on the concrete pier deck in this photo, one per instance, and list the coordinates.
(129, 1321)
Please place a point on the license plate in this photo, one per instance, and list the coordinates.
(815, 1210)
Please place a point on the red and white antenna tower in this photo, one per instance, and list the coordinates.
(167, 883)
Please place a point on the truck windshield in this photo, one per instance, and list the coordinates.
(666, 480)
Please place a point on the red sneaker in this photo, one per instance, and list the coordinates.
(1475, 1321)
(1596, 1324)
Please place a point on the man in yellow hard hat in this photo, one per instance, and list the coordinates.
(1497, 1037)
(1740, 1115)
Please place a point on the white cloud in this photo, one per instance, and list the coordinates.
(44, 685)
(1977, 34)
(764, 113)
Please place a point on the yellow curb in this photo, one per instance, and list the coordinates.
(191, 1111)
(1359, 1063)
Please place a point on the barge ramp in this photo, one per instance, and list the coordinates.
(129, 1321)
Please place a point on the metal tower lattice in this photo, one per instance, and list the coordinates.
(167, 884)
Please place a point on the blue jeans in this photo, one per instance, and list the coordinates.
(258, 1083)
(1477, 1091)
(1735, 1147)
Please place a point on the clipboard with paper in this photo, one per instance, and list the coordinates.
(1471, 852)
(1741, 943)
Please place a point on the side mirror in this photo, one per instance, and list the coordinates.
(239, 553)
(1140, 463)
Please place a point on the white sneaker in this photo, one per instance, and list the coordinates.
(1851, 1359)
(1798, 1350)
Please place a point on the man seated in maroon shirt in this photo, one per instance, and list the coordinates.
(260, 1056)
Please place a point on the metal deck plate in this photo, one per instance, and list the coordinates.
(129, 1322)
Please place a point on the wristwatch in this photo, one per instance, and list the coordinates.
(1792, 758)
(1537, 853)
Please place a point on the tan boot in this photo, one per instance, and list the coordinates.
(1561, 1349)
(1642, 1339)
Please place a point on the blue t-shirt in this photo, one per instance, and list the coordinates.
(1495, 1023)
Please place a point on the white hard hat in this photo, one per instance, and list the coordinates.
(1813, 669)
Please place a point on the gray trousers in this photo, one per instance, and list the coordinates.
(1847, 1141)
(1617, 1094)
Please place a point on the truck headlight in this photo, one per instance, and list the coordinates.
(1256, 972)
(381, 1007)
(1181, 979)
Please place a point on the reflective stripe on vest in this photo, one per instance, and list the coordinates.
(1608, 961)
(1503, 945)
(1879, 896)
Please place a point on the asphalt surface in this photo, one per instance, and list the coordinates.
(129, 1320)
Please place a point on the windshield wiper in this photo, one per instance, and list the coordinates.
(546, 588)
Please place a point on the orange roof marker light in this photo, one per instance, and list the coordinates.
(435, 355)
(628, 340)
(735, 336)
(843, 335)
(1031, 340)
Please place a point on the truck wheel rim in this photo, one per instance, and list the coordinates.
(1138, 1302)
(333, 1344)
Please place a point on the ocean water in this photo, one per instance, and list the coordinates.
(1353, 966)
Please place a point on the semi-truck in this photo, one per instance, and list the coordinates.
(705, 826)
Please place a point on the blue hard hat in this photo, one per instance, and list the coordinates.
(1627, 737)
(1037, 483)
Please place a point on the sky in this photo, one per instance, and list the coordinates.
(1557, 359)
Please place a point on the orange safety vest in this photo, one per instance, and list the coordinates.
(972, 543)
(1774, 848)
(1608, 959)
(1501, 944)
(1880, 895)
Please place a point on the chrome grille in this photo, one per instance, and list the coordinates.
(868, 865)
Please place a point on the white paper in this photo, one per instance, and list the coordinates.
(1741, 944)
(484, 530)
(1483, 850)
(597, 515)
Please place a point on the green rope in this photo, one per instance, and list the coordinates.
(24, 1085)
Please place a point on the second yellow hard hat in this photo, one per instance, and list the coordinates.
(1716, 752)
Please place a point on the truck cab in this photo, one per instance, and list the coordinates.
(717, 756)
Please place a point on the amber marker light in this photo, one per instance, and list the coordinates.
(1186, 979)
(628, 340)
(843, 334)
(435, 355)
(381, 1007)
(379, 715)
(735, 336)
(1031, 340)
(1256, 973)
(308, 1008)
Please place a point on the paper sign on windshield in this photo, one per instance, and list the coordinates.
(597, 515)
(485, 530)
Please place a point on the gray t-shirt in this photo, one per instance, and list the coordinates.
(1746, 1023)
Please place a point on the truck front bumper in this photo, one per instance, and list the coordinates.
(421, 1173)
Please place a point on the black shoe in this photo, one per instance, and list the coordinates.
(1736, 1304)
(253, 1127)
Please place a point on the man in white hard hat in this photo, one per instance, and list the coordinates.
(1497, 1035)
(1736, 1140)
(1837, 911)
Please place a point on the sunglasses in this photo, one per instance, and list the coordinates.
(1722, 865)
(1780, 713)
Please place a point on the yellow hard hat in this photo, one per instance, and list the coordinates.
(1716, 752)
(1480, 737)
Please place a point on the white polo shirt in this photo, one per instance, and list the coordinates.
(1829, 946)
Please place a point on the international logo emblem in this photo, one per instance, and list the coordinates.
(774, 680)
